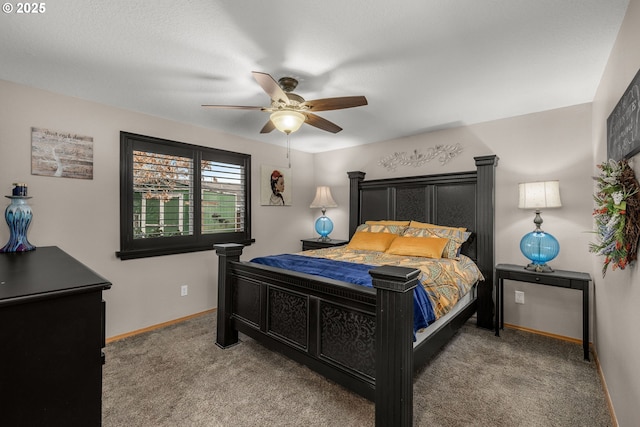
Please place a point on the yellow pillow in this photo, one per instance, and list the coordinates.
(371, 241)
(416, 224)
(428, 247)
(388, 222)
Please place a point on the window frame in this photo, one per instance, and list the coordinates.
(131, 248)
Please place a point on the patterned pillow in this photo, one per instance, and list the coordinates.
(456, 238)
(381, 228)
(417, 224)
(389, 222)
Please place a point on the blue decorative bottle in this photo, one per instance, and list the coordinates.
(18, 215)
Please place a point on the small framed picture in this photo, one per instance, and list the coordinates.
(275, 186)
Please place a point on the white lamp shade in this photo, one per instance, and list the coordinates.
(287, 121)
(323, 198)
(538, 195)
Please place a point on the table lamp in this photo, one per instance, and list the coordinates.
(539, 246)
(323, 200)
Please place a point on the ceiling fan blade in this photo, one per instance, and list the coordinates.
(327, 104)
(233, 107)
(270, 86)
(268, 127)
(320, 123)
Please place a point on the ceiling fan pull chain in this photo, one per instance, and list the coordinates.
(289, 150)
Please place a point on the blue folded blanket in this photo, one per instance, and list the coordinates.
(351, 273)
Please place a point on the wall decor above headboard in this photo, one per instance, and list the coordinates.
(444, 153)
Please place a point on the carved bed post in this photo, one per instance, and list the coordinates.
(226, 334)
(354, 200)
(486, 167)
(394, 344)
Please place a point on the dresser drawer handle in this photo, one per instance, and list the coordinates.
(537, 279)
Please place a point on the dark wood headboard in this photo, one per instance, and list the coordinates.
(461, 199)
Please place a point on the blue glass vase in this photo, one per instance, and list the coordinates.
(540, 248)
(324, 226)
(18, 215)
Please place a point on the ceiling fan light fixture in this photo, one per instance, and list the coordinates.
(289, 110)
(287, 121)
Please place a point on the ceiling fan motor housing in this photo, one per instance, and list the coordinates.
(287, 83)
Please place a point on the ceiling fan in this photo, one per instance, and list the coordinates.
(289, 110)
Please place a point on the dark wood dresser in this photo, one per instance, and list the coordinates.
(52, 334)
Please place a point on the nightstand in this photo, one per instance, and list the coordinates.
(559, 278)
(308, 244)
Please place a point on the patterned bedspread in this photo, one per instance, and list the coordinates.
(445, 280)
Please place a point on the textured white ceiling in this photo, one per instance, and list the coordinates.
(422, 64)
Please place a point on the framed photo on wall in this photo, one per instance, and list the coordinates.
(275, 186)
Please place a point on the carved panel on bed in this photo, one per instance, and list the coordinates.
(348, 338)
(376, 205)
(288, 313)
(456, 207)
(411, 203)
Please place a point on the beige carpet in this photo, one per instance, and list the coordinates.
(176, 376)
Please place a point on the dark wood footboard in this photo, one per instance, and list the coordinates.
(359, 337)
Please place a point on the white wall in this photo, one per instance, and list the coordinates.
(618, 295)
(548, 145)
(82, 216)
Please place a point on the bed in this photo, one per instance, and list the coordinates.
(363, 338)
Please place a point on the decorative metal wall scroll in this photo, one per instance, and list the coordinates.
(444, 153)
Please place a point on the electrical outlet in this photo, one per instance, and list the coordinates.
(184, 290)
(519, 297)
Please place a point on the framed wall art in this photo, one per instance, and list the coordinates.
(275, 186)
(623, 126)
(61, 154)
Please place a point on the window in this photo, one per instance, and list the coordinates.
(177, 197)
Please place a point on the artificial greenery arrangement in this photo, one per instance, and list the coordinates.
(617, 215)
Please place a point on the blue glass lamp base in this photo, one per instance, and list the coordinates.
(540, 248)
(324, 226)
